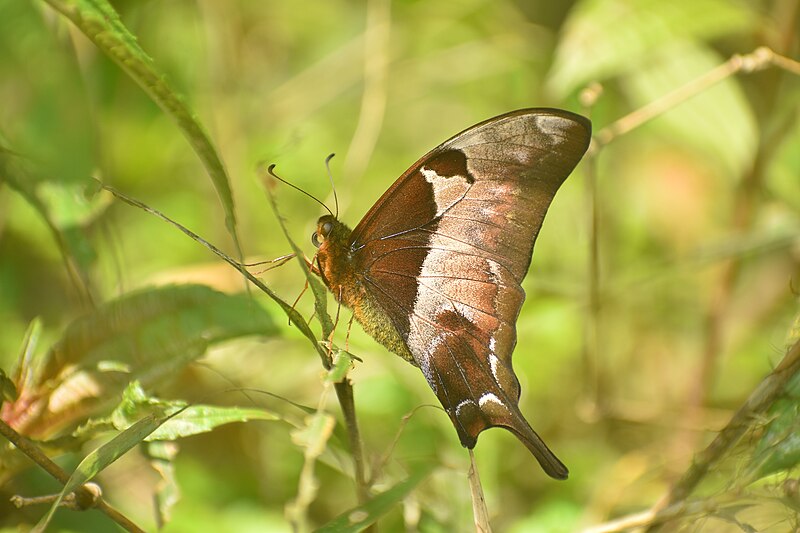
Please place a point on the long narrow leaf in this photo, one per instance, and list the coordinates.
(98, 20)
(69, 243)
(103, 456)
(360, 517)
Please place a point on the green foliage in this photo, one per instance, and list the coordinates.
(100, 458)
(146, 335)
(342, 363)
(778, 449)
(160, 326)
(358, 518)
(664, 277)
(604, 39)
(696, 123)
(187, 420)
(98, 20)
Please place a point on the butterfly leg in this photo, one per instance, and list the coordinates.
(347, 337)
(335, 323)
(273, 263)
(305, 288)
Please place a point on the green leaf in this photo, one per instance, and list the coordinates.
(697, 121)
(147, 336)
(779, 446)
(103, 456)
(197, 419)
(342, 363)
(98, 20)
(61, 207)
(607, 38)
(192, 420)
(358, 518)
(155, 330)
(168, 493)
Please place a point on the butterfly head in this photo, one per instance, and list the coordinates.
(333, 257)
(330, 234)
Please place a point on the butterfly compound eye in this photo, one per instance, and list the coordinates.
(326, 229)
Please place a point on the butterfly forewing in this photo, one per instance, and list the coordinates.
(445, 249)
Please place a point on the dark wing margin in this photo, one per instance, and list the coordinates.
(445, 250)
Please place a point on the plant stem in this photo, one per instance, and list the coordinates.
(37, 456)
(762, 398)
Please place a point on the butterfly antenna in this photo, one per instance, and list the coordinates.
(272, 173)
(333, 187)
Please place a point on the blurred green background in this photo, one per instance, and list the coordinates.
(627, 367)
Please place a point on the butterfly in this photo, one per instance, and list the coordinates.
(434, 269)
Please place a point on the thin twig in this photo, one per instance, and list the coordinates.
(771, 388)
(675, 503)
(480, 513)
(652, 517)
(37, 456)
(594, 395)
(295, 317)
(33, 452)
(759, 59)
(743, 213)
(344, 393)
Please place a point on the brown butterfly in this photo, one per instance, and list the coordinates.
(433, 270)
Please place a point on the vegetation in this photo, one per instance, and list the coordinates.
(658, 348)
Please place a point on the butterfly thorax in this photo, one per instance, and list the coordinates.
(339, 268)
(334, 260)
